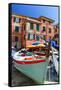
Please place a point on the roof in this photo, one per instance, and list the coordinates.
(32, 19)
(27, 18)
(17, 15)
(45, 18)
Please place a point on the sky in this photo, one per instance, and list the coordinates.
(36, 11)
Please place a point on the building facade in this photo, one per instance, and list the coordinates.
(47, 27)
(33, 31)
(56, 34)
(27, 30)
(17, 30)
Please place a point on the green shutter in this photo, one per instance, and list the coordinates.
(16, 29)
(34, 36)
(28, 36)
(31, 25)
(37, 26)
(31, 36)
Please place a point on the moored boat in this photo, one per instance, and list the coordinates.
(55, 55)
(34, 65)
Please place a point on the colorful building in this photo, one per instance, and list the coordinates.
(33, 31)
(27, 30)
(17, 28)
(47, 27)
(56, 34)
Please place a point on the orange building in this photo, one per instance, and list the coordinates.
(47, 27)
(27, 30)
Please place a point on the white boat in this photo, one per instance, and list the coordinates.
(30, 66)
(55, 55)
(13, 51)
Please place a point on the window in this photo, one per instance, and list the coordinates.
(34, 36)
(49, 37)
(44, 28)
(17, 20)
(37, 27)
(16, 38)
(16, 29)
(56, 35)
(37, 38)
(14, 19)
(31, 36)
(49, 30)
(49, 22)
(43, 21)
(44, 37)
(31, 25)
(55, 30)
(28, 36)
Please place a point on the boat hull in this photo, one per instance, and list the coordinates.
(56, 63)
(36, 71)
(55, 59)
